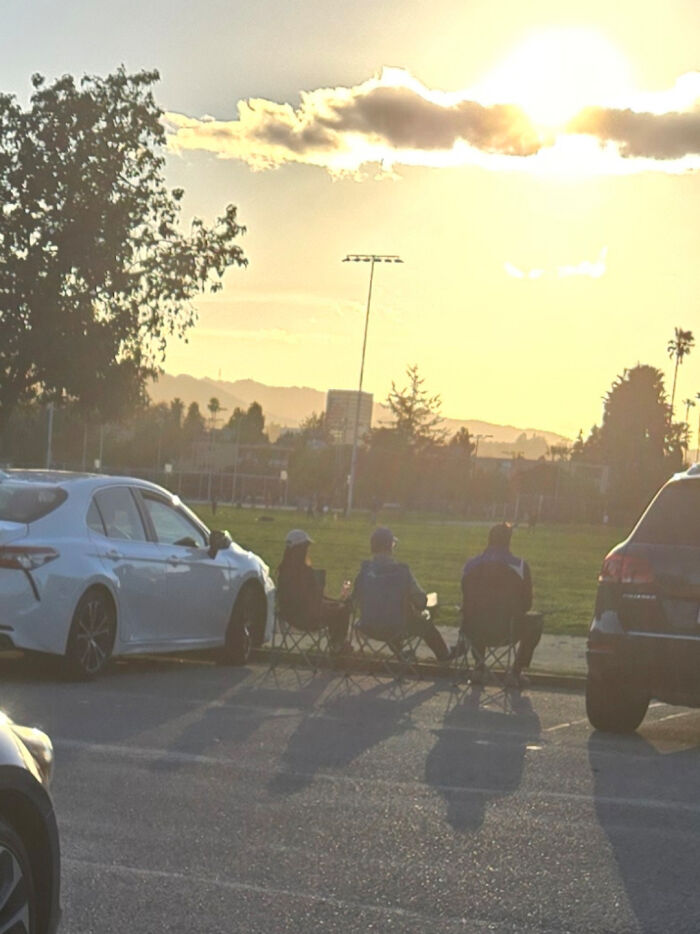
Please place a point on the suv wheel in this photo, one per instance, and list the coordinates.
(614, 707)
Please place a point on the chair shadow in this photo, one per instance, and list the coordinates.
(480, 752)
(216, 726)
(657, 850)
(345, 726)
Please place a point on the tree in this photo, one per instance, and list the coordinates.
(95, 275)
(637, 439)
(679, 347)
(462, 441)
(214, 407)
(194, 424)
(248, 427)
(416, 414)
(177, 410)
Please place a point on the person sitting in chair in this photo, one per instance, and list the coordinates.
(300, 595)
(390, 602)
(496, 597)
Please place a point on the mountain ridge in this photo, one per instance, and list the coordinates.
(287, 406)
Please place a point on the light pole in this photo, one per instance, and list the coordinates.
(371, 258)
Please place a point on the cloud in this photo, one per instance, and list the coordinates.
(386, 119)
(593, 270)
(393, 119)
(263, 335)
(642, 135)
(586, 268)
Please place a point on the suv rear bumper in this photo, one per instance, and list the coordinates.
(666, 665)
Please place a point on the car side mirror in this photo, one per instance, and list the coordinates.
(218, 541)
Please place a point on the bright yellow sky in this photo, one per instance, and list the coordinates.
(547, 245)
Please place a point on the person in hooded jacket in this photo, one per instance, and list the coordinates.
(390, 601)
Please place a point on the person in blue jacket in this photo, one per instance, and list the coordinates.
(390, 601)
(496, 598)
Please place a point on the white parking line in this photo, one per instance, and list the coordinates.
(267, 891)
(359, 784)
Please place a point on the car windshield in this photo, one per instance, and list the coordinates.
(673, 518)
(22, 502)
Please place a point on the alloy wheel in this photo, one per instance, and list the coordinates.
(94, 633)
(14, 895)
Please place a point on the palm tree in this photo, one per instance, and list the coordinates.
(214, 407)
(688, 403)
(678, 348)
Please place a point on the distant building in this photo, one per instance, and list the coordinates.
(341, 412)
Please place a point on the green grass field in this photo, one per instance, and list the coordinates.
(565, 560)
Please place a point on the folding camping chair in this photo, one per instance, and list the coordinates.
(397, 656)
(310, 647)
(489, 611)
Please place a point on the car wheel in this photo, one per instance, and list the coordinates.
(615, 707)
(246, 617)
(17, 896)
(91, 636)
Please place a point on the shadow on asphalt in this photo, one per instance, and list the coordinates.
(656, 847)
(480, 752)
(345, 727)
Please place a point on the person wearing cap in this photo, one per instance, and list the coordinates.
(390, 600)
(300, 595)
(497, 585)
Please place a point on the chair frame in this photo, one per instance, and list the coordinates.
(495, 662)
(312, 646)
(397, 660)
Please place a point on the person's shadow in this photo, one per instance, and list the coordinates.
(331, 737)
(647, 804)
(479, 753)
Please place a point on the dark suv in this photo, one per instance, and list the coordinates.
(644, 641)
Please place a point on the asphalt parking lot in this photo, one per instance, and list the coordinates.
(192, 797)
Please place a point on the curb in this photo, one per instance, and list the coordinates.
(537, 679)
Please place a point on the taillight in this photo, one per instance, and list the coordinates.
(25, 558)
(626, 569)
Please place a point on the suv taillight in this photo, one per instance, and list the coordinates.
(25, 558)
(626, 569)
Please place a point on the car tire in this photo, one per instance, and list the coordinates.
(246, 617)
(91, 637)
(18, 899)
(615, 707)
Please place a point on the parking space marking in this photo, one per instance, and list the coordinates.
(269, 891)
(358, 783)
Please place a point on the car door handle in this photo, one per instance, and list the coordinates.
(175, 559)
(113, 554)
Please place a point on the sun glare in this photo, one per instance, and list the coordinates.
(554, 73)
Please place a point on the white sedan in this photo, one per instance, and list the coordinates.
(93, 567)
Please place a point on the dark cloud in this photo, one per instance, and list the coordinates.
(642, 135)
(404, 119)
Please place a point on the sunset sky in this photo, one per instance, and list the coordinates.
(536, 166)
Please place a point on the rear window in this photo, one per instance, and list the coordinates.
(22, 502)
(673, 518)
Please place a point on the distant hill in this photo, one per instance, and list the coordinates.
(287, 406)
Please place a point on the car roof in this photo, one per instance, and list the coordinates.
(693, 472)
(70, 478)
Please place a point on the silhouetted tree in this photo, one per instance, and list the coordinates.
(95, 276)
(462, 441)
(678, 348)
(637, 439)
(416, 414)
(248, 426)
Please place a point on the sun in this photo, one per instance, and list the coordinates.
(556, 72)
